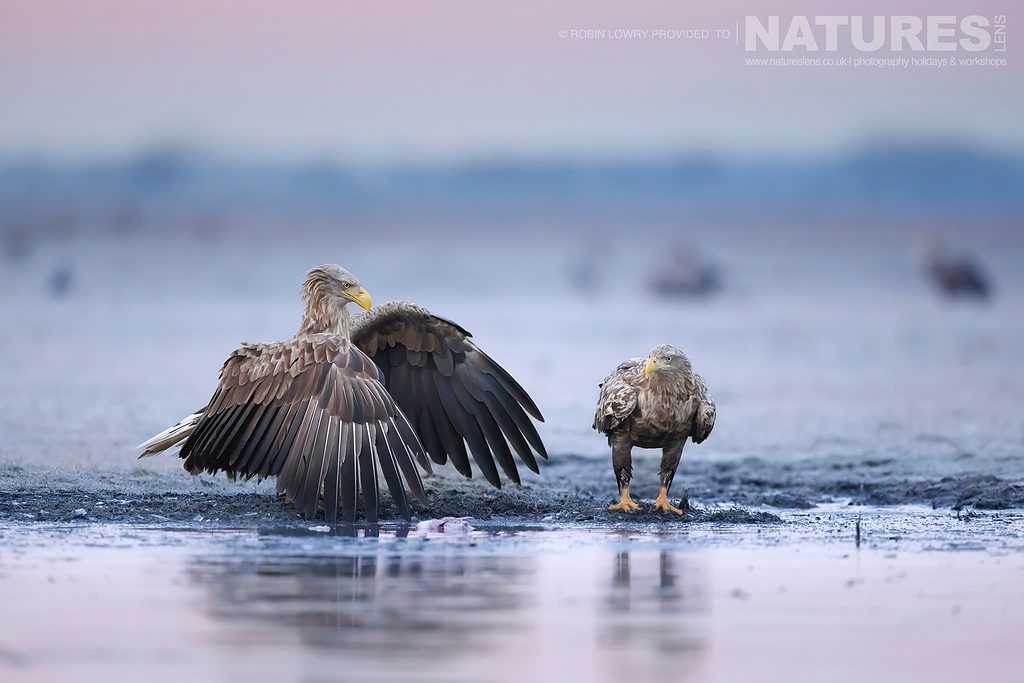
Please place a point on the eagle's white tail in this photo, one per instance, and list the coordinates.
(170, 436)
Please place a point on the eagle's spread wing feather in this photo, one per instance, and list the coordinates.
(453, 393)
(617, 399)
(313, 412)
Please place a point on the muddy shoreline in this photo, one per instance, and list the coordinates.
(571, 489)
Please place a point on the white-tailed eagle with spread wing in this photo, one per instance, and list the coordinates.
(346, 400)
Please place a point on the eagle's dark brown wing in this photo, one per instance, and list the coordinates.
(313, 412)
(453, 393)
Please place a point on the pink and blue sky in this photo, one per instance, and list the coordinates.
(376, 82)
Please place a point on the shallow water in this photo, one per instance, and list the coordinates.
(503, 603)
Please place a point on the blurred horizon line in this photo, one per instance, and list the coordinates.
(193, 152)
(924, 174)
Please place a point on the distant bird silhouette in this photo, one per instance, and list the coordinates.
(955, 275)
(61, 281)
(685, 274)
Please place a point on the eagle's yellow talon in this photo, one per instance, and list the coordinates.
(661, 503)
(625, 503)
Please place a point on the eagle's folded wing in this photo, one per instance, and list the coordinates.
(617, 399)
(313, 412)
(453, 392)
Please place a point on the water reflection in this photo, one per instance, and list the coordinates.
(368, 600)
(655, 602)
(459, 608)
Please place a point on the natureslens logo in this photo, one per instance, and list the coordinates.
(897, 33)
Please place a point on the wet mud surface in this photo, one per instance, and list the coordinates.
(570, 489)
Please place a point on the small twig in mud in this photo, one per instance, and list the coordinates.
(856, 539)
(965, 514)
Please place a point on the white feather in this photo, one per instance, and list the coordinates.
(170, 436)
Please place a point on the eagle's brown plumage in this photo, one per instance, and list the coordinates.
(313, 412)
(452, 392)
(654, 402)
(326, 410)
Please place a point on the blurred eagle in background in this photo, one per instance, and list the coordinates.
(344, 400)
(954, 275)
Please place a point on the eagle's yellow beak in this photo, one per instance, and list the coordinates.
(363, 298)
(650, 367)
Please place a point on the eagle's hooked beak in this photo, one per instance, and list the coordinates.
(650, 367)
(363, 298)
